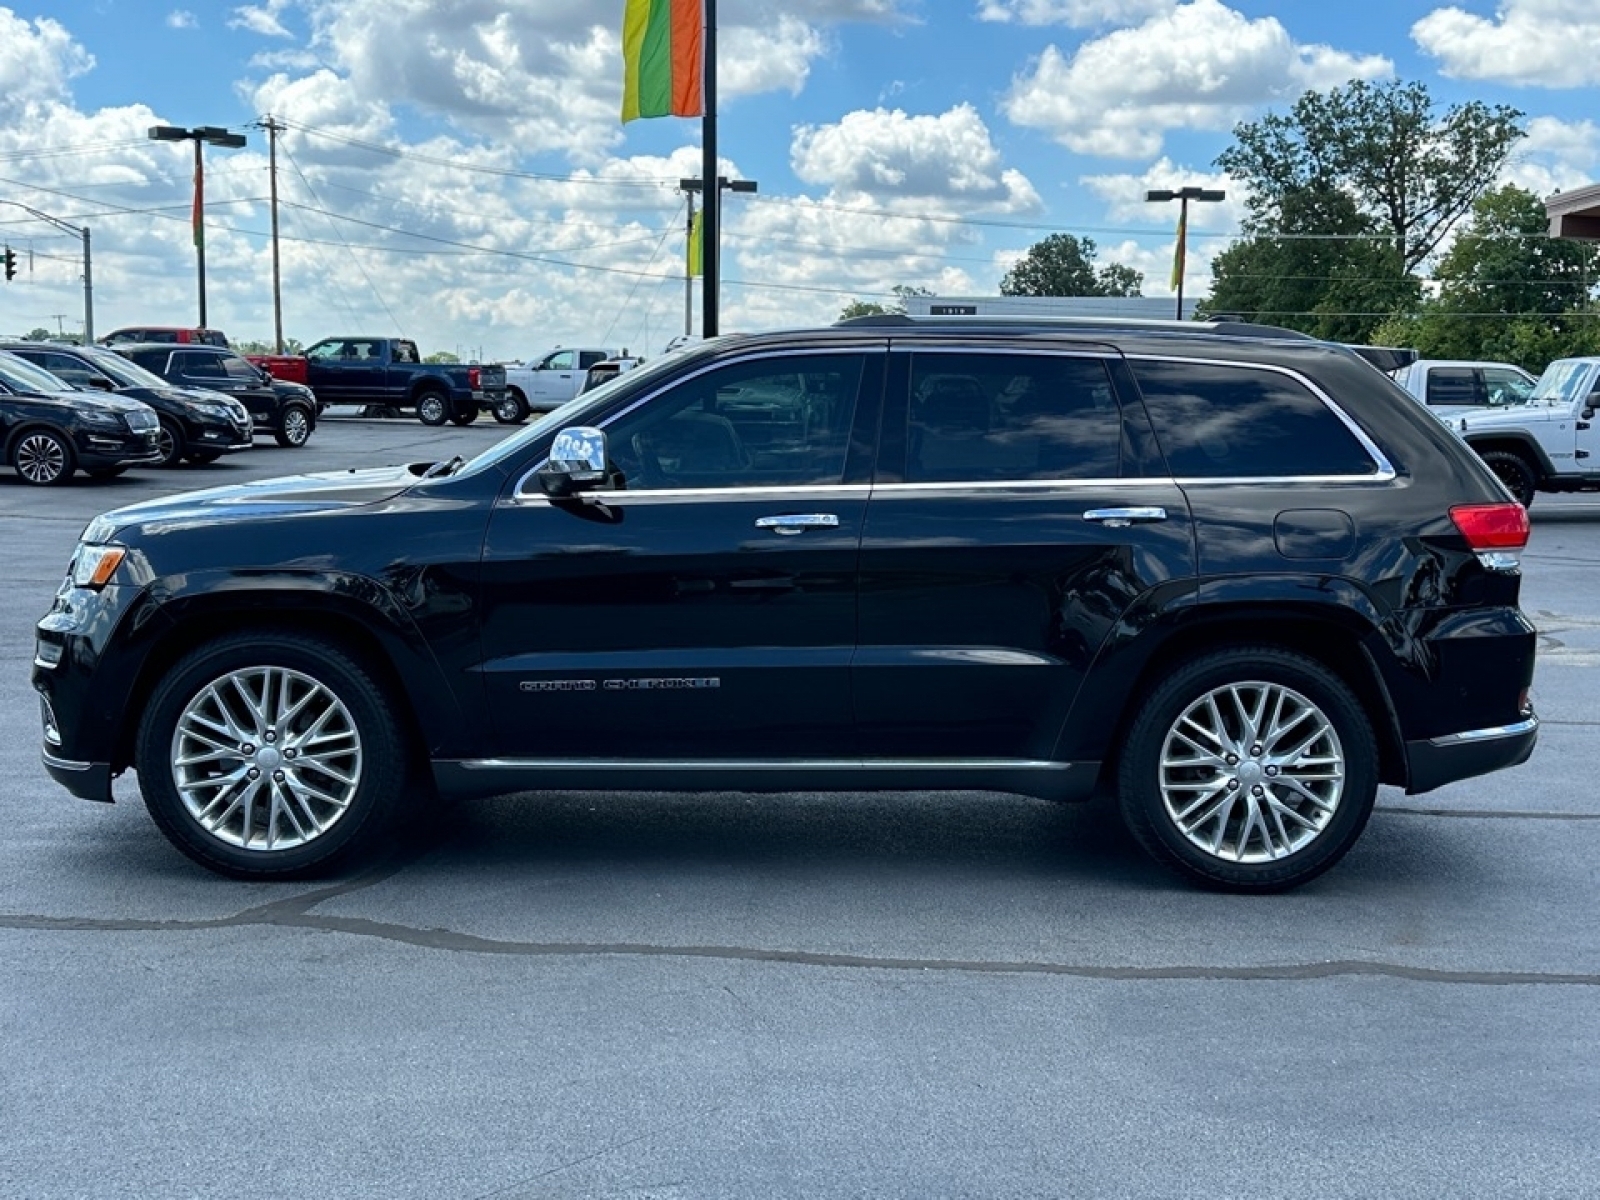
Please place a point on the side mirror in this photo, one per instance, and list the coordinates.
(577, 462)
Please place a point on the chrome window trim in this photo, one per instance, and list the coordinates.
(812, 491)
(519, 493)
(1492, 733)
(737, 764)
(1385, 473)
(1020, 485)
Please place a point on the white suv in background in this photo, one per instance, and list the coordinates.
(1550, 443)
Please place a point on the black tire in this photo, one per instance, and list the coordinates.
(295, 423)
(1288, 852)
(103, 472)
(360, 741)
(466, 412)
(43, 458)
(511, 408)
(171, 443)
(433, 407)
(201, 458)
(1513, 470)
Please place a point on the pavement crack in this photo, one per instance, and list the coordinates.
(466, 943)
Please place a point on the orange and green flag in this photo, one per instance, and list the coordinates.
(663, 43)
(697, 241)
(197, 217)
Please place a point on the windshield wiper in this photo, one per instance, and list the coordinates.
(448, 466)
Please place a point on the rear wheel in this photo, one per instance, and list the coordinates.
(433, 408)
(43, 458)
(1252, 769)
(294, 426)
(1513, 470)
(265, 755)
(466, 412)
(511, 408)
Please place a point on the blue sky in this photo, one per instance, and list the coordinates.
(454, 170)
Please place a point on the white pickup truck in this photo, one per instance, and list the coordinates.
(1549, 444)
(1453, 387)
(548, 381)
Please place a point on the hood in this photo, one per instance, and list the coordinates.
(1515, 416)
(89, 399)
(290, 495)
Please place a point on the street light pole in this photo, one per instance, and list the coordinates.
(1180, 251)
(710, 230)
(198, 135)
(88, 275)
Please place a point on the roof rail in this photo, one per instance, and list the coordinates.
(1225, 327)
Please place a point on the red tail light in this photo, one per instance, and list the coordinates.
(1492, 526)
(472, 378)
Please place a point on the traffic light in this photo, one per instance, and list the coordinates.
(11, 264)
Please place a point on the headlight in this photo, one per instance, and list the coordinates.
(93, 566)
(215, 410)
(101, 420)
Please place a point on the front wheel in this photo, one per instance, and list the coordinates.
(433, 408)
(1252, 769)
(294, 426)
(170, 442)
(264, 755)
(1513, 471)
(43, 458)
(511, 408)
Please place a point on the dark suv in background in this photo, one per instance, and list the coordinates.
(196, 425)
(288, 410)
(49, 429)
(1215, 571)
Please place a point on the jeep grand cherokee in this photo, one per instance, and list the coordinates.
(1213, 570)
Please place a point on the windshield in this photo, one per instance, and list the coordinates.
(22, 376)
(126, 373)
(1561, 382)
(570, 413)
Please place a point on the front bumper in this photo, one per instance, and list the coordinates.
(85, 780)
(111, 448)
(1434, 762)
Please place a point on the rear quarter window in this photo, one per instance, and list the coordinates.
(1225, 421)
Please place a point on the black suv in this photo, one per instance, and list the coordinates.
(197, 425)
(1220, 572)
(288, 410)
(48, 429)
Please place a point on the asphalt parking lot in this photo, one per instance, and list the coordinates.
(725, 995)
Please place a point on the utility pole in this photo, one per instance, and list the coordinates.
(273, 127)
(688, 271)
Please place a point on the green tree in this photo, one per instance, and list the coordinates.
(1414, 173)
(1064, 265)
(871, 308)
(1507, 291)
(1336, 277)
(440, 356)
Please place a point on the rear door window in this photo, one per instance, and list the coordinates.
(992, 418)
(1455, 385)
(1231, 421)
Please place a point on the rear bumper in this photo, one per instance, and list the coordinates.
(1437, 761)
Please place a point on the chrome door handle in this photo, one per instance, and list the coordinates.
(792, 523)
(1121, 518)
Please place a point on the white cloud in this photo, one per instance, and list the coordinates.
(1556, 156)
(1538, 43)
(37, 58)
(947, 159)
(264, 19)
(1200, 66)
(182, 18)
(1078, 13)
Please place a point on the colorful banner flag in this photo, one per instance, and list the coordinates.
(1179, 250)
(663, 44)
(696, 241)
(197, 219)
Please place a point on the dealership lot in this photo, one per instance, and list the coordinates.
(562, 994)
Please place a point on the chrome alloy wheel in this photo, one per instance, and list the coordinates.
(41, 458)
(1252, 772)
(266, 758)
(296, 426)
